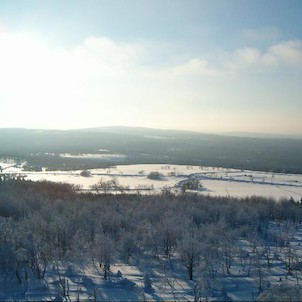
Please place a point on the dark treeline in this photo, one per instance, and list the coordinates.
(43, 223)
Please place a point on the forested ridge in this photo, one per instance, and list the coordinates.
(43, 224)
(42, 148)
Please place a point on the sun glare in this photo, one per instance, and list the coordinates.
(33, 74)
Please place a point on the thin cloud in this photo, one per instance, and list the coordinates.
(111, 51)
(286, 54)
(195, 67)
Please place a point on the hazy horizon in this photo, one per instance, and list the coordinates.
(205, 66)
(114, 128)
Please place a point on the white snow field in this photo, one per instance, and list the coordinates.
(102, 156)
(216, 181)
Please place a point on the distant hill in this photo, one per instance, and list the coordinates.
(145, 145)
(262, 135)
(141, 131)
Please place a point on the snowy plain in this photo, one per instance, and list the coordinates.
(216, 181)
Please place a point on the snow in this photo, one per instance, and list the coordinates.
(103, 156)
(216, 181)
(168, 277)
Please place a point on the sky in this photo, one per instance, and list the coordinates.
(202, 65)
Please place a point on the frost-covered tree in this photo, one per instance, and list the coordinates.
(281, 293)
(103, 252)
(189, 249)
(191, 184)
(127, 246)
(147, 283)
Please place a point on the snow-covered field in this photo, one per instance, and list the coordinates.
(216, 181)
(102, 156)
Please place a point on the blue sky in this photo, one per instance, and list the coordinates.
(210, 66)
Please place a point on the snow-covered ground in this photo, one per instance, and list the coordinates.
(252, 262)
(216, 181)
(263, 263)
